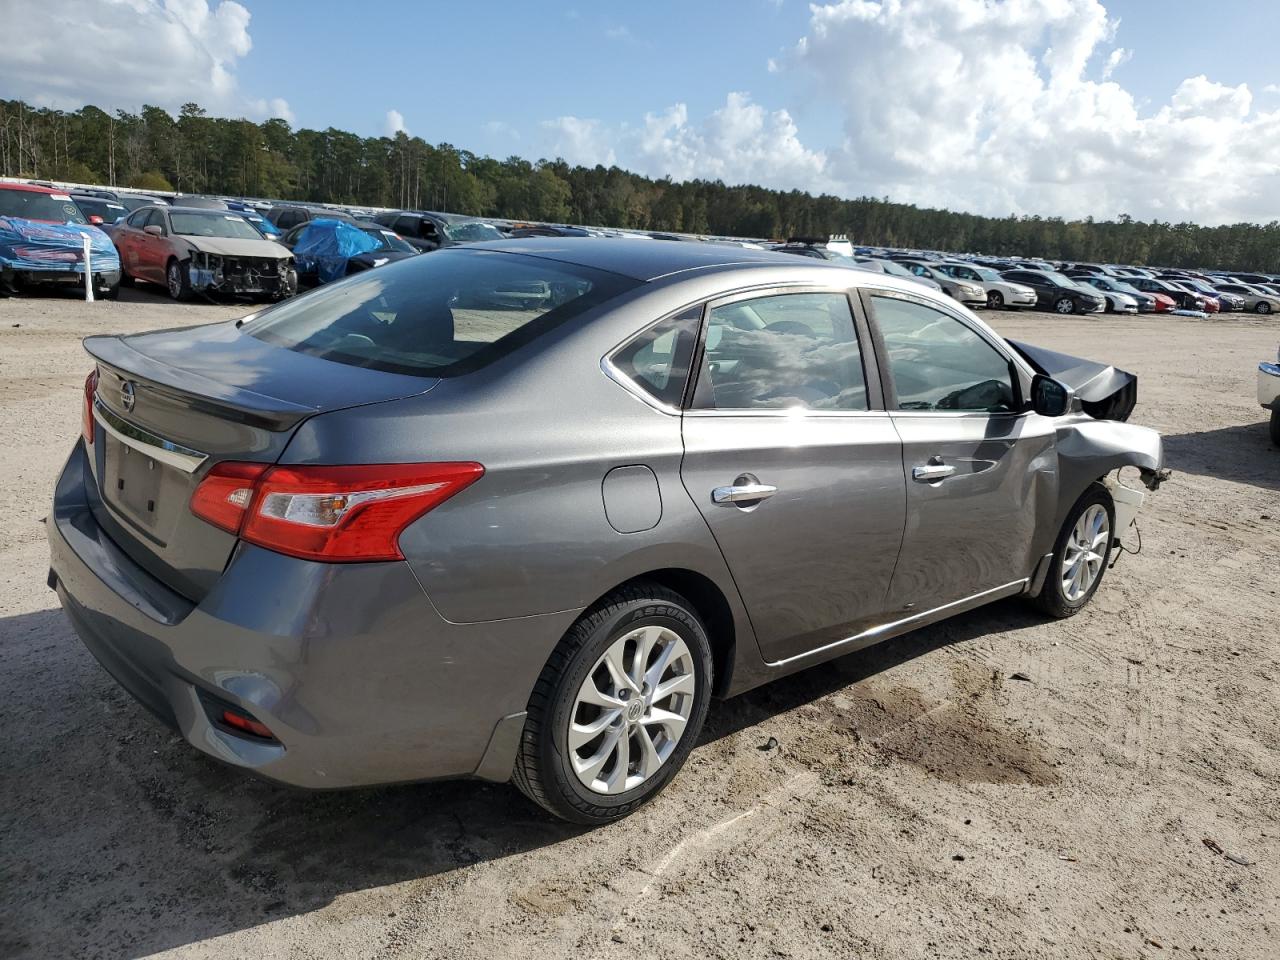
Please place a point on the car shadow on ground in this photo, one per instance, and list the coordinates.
(120, 839)
(1240, 454)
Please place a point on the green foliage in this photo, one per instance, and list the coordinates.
(150, 180)
(196, 153)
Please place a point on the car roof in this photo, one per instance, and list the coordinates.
(29, 187)
(639, 261)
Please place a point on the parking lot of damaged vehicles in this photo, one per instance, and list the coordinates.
(997, 783)
(218, 248)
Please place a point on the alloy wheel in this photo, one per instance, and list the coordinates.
(175, 281)
(1065, 305)
(631, 710)
(1086, 550)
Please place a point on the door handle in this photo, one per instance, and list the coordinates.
(742, 492)
(933, 471)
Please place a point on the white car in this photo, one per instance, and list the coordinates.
(1000, 292)
(1269, 394)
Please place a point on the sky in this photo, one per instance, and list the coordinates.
(1166, 109)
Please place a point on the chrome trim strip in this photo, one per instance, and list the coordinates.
(147, 443)
(889, 627)
(633, 388)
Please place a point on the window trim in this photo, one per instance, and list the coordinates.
(861, 331)
(1021, 372)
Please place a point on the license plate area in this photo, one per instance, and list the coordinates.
(133, 484)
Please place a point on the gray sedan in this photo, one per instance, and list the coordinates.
(405, 527)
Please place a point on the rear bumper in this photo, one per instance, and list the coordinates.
(350, 665)
(102, 279)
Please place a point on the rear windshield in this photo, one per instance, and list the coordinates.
(471, 231)
(442, 314)
(33, 205)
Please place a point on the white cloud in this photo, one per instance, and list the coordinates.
(618, 33)
(163, 52)
(1005, 107)
(395, 123)
(740, 142)
(581, 141)
(972, 105)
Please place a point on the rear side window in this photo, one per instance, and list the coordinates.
(791, 351)
(439, 316)
(938, 363)
(658, 360)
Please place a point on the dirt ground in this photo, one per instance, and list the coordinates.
(1121, 802)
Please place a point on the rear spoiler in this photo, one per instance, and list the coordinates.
(1106, 392)
(212, 396)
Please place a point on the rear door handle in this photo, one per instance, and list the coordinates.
(742, 492)
(933, 471)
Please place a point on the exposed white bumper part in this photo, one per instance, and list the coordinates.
(1127, 502)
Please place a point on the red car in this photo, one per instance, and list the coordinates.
(1164, 302)
(42, 236)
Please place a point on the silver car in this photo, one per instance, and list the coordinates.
(1000, 292)
(970, 293)
(401, 529)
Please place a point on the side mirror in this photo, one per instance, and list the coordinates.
(96, 220)
(154, 229)
(1049, 397)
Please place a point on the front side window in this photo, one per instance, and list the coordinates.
(938, 363)
(790, 351)
(658, 360)
(439, 316)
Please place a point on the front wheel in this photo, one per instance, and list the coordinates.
(1080, 554)
(995, 300)
(1262, 307)
(177, 281)
(1065, 305)
(618, 707)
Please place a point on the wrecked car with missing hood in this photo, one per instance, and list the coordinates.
(42, 241)
(191, 250)
(533, 542)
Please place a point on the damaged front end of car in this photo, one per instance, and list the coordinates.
(212, 273)
(1095, 443)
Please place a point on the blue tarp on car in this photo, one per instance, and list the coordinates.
(32, 245)
(325, 246)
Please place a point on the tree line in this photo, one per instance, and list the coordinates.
(196, 153)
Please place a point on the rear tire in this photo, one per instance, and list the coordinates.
(578, 688)
(1084, 544)
(1275, 427)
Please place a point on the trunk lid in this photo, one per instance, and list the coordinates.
(171, 404)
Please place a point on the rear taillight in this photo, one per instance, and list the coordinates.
(224, 494)
(347, 513)
(86, 418)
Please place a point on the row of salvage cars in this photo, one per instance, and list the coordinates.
(206, 246)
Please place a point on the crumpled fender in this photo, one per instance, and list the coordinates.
(1089, 449)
